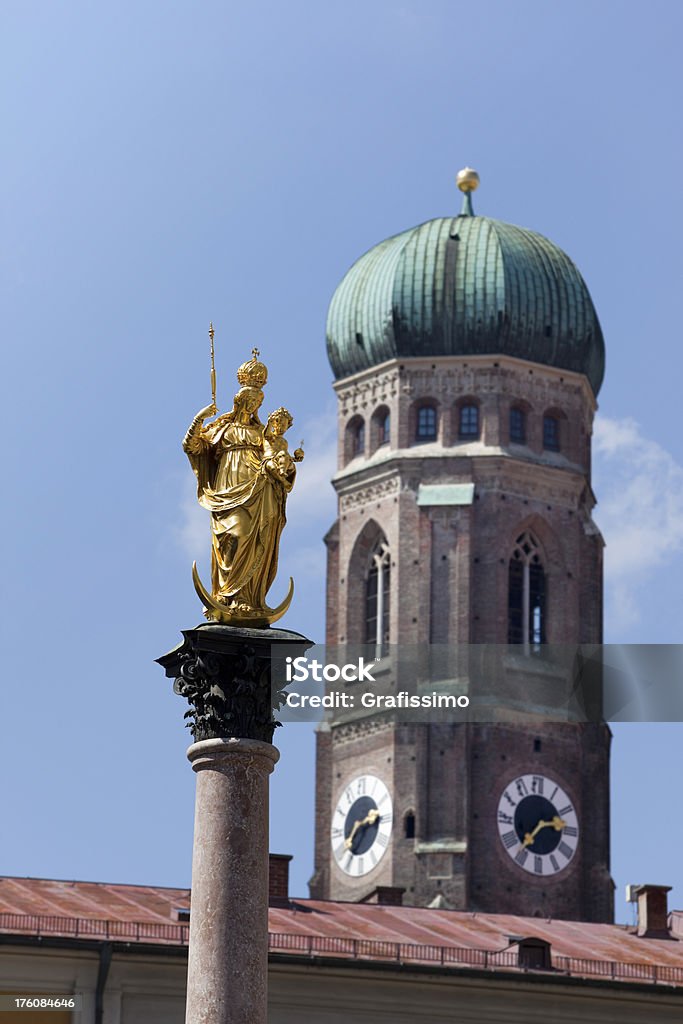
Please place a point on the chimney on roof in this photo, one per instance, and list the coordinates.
(653, 911)
(385, 896)
(278, 878)
(533, 954)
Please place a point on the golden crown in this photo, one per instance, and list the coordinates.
(252, 374)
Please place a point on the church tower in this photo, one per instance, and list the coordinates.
(468, 356)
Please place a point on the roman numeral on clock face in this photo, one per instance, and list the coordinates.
(569, 830)
(510, 839)
(565, 810)
(565, 850)
(521, 857)
(538, 865)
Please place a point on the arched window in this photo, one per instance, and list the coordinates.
(355, 438)
(468, 422)
(409, 825)
(380, 428)
(425, 428)
(517, 425)
(359, 439)
(526, 594)
(377, 591)
(551, 433)
(384, 428)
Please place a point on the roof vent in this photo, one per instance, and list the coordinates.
(652, 910)
(181, 914)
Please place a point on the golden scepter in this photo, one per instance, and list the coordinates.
(213, 368)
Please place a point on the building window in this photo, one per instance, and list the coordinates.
(384, 431)
(526, 595)
(551, 433)
(426, 423)
(377, 591)
(517, 425)
(468, 422)
(409, 825)
(354, 438)
(358, 440)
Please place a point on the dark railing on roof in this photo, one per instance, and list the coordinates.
(328, 945)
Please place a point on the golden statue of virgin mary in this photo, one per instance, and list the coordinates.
(244, 473)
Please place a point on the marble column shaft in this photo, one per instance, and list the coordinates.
(228, 955)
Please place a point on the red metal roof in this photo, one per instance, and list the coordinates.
(370, 931)
(45, 896)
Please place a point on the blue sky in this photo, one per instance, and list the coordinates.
(169, 163)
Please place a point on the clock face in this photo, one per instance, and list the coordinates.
(537, 825)
(361, 825)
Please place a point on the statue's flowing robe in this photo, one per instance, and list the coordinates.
(247, 506)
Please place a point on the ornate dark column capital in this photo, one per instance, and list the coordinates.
(225, 672)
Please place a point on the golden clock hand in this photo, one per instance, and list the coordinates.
(369, 819)
(557, 823)
(349, 839)
(530, 836)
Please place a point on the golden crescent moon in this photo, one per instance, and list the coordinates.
(229, 617)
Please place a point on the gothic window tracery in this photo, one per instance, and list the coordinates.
(526, 594)
(377, 594)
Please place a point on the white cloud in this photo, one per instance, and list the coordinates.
(193, 534)
(640, 512)
(313, 496)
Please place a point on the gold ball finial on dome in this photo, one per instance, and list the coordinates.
(467, 180)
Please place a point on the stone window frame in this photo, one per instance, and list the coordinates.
(379, 436)
(409, 824)
(355, 438)
(363, 547)
(467, 402)
(427, 402)
(560, 417)
(520, 406)
(527, 568)
(379, 568)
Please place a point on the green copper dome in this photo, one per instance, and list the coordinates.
(465, 286)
